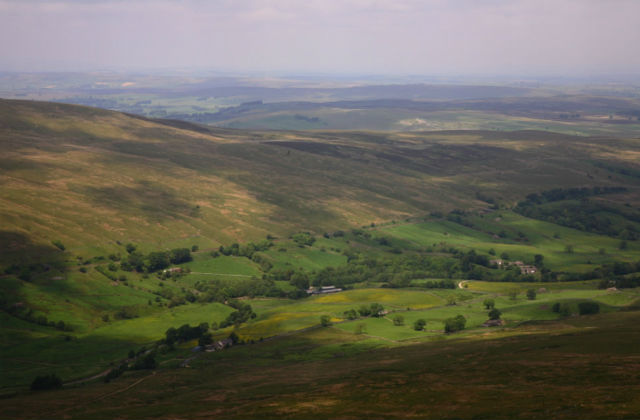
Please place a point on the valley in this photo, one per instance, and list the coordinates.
(116, 228)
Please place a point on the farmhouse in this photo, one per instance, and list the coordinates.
(524, 269)
(173, 270)
(219, 345)
(323, 290)
(528, 269)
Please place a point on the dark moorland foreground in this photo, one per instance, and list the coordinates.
(160, 268)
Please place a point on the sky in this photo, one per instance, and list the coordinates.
(557, 37)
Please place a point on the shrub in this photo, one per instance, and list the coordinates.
(361, 328)
(146, 362)
(419, 325)
(561, 308)
(588, 308)
(495, 313)
(44, 382)
(325, 320)
(454, 324)
(58, 244)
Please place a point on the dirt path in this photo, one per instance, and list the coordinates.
(125, 389)
(89, 378)
(220, 274)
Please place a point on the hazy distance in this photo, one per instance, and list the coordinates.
(526, 37)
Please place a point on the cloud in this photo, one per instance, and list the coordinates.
(369, 36)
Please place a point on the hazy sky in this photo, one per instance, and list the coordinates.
(367, 36)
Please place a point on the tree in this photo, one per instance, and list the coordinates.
(130, 248)
(364, 310)
(494, 313)
(180, 255)
(538, 260)
(454, 324)
(376, 310)
(157, 261)
(361, 328)
(398, 320)
(325, 320)
(205, 339)
(300, 280)
(351, 314)
(531, 294)
(419, 324)
(489, 303)
(568, 249)
(623, 245)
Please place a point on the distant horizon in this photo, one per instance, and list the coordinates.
(392, 78)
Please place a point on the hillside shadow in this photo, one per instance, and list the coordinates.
(17, 248)
(151, 200)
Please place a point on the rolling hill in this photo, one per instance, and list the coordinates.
(89, 177)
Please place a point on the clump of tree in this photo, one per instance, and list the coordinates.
(303, 239)
(27, 314)
(45, 382)
(620, 282)
(247, 250)
(185, 333)
(154, 261)
(242, 314)
(439, 284)
(582, 213)
(454, 324)
(375, 310)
